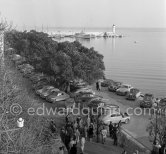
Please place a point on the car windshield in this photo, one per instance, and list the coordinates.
(56, 93)
(147, 97)
(124, 86)
(134, 91)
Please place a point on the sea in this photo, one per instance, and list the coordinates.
(138, 58)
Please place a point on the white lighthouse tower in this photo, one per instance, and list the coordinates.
(113, 28)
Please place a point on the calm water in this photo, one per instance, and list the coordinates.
(138, 59)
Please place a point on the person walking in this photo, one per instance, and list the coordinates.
(115, 135)
(104, 134)
(73, 146)
(62, 135)
(97, 85)
(61, 150)
(77, 134)
(88, 121)
(82, 139)
(111, 129)
(90, 132)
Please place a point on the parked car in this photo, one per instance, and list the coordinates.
(40, 83)
(106, 82)
(162, 103)
(115, 117)
(23, 66)
(48, 92)
(77, 84)
(15, 57)
(28, 74)
(85, 97)
(44, 89)
(123, 89)
(56, 96)
(148, 101)
(84, 90)
(26, 70)
(114, 86)
(39, 78)
(36, 75)
(133, 94)
(20, 61)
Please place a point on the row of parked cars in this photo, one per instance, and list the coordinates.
(41, 82)
(81, 93)
(146, 100)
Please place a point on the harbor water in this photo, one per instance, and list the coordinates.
(138, 58)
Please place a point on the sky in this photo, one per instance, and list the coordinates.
(85, 13)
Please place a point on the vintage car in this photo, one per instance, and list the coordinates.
(48, 92)
(40, 84)
(28, 74)
(115, 117)
(86, 97)
(84, 91)
(23, 66)
(123, 89)
(148, 101)
(15, 57)
(77, 84)
(44, 89)
(101, 106)
(36, 75)
(133, 94)
(162, 103)
(39, 78)
(106, 82)
(56, 96)
(114, 86)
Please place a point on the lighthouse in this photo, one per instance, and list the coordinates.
(113, 28)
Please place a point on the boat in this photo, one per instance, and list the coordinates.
(82, 35)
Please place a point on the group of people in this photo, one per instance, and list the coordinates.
(76, 132)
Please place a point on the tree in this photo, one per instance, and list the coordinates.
(65, 61)
(157, 127)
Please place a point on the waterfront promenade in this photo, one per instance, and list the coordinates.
(137, 125)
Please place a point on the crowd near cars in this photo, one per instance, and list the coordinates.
(146, 100)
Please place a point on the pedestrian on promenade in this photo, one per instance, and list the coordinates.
(82, 138)
(97, 85)
(91, 132)
(88, 121)
(115, 135)
(62, 135)
(73, 145)
(61, 150)
(111, 129)
(77, 134)
(104, 134)
(67, 141)
(124, 152)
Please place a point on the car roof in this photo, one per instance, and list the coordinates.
(148, 94)
(126, 85)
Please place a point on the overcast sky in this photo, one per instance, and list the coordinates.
(85, 13)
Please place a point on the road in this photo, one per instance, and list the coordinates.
(138, 123)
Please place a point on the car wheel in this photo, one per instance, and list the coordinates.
(126, 121)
